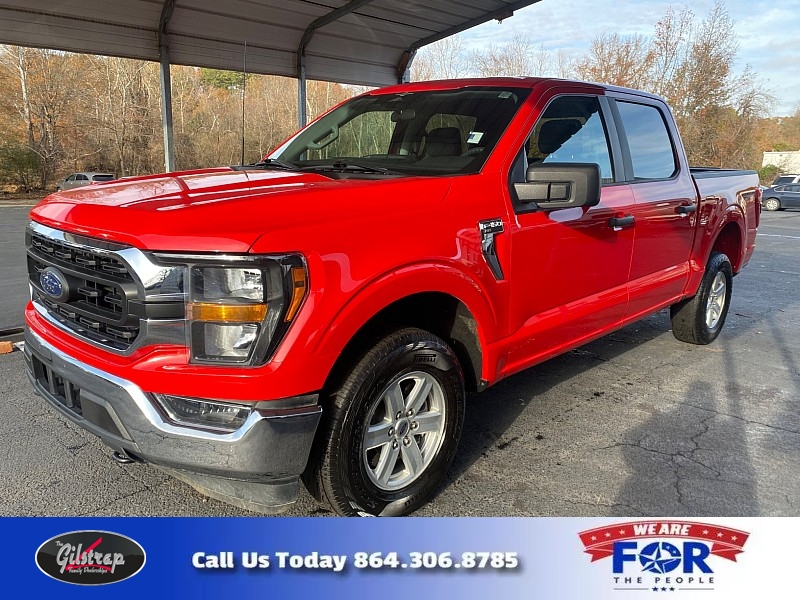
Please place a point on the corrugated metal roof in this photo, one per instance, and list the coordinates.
(365, 46)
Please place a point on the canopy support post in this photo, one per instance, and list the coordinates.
(332, 16)
(166, 87)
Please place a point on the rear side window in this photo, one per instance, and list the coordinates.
(102, 177)
(651, 148)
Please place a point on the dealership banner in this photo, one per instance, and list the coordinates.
(558, 558)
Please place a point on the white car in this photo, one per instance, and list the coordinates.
(784, 179)
(83, 178)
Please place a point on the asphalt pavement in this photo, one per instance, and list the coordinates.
(13, 271)
(633, 424)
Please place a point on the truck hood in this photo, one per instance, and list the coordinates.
(223, 210)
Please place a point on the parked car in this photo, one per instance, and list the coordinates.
(781, 196)
(323, 312)
(784, 179)
(83, 178)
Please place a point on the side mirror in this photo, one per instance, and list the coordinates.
(560, 185)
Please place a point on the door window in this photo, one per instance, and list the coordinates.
(571, 130)
(650, 146)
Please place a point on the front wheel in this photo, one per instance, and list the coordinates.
(390, 431)
(699, 319)
(772, 204)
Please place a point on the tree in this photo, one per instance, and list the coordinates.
(618, 60)
(515, 58)
(19, 164)
(224, 80)
(441, 60)
(692, 65)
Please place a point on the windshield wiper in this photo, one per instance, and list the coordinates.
(268, 163)
(341, 165)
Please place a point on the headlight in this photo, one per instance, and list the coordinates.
(239, 308)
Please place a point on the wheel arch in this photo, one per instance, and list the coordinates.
(730, 241)
(397, 302)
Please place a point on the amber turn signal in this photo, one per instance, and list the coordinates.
(299, 285)
(226, 313)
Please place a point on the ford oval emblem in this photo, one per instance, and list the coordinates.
(54, 284)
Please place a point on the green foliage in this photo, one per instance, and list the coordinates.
(19, 164)
(768, 173)
(224, 80)
(781, 147)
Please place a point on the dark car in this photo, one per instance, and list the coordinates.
(781, 196)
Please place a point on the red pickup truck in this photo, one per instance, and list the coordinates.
(323, 313)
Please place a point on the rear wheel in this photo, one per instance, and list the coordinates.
(390, 431)
(772, 204)
(698, 320)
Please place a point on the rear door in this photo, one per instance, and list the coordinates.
(666, 203)
(569, 268)
(791, 196)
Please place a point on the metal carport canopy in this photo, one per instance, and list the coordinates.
(362, 42)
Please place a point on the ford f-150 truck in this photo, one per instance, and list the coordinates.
(322, 314)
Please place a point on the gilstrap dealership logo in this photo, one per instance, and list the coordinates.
(663, 556)
(90, 557)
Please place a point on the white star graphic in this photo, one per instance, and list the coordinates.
(719, 535)
(734, 538)
(608, 534)
(594, 538)
(622, 532)
(705, 531)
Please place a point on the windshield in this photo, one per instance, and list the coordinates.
(409, 133)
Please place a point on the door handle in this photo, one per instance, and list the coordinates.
(617, 223)
(686, 209)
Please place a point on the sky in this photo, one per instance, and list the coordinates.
(768, 32)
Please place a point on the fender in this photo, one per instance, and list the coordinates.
(714, 220)
(406, 281)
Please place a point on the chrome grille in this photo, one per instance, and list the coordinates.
(101, 263)
(100, 285)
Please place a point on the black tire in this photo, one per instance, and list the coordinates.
(340, 474)
(690, 317)
(772, 204)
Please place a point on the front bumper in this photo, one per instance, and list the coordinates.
(256, 467)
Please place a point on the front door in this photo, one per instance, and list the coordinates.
(570, 267)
